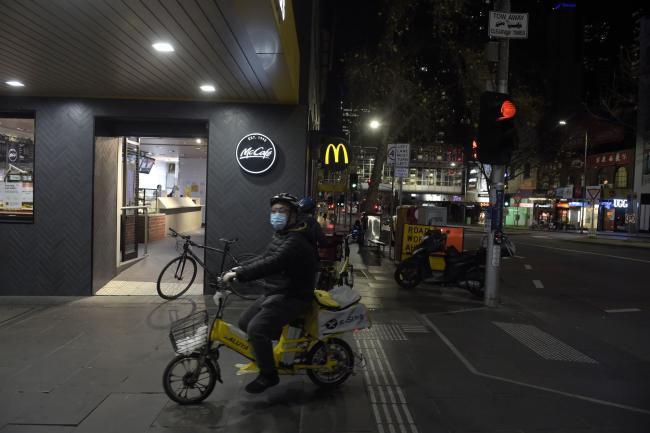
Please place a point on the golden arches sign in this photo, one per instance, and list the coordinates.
(336, 150)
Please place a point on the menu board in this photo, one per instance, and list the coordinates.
(16, 170)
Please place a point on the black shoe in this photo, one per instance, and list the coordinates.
(262, 382)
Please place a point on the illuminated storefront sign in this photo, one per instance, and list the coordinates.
(335, 154)
(255, 153)
(620, 202)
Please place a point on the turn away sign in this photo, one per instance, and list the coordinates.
(508, 25)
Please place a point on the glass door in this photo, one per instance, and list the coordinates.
(129, 216)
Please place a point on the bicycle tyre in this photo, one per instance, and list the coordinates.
(186, 380)
(169, 293)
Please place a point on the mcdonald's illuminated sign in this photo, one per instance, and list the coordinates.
(335, 156)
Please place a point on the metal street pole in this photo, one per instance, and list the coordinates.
(350, 193)
(584, 189)
(493, 256)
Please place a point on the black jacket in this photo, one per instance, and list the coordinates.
(314, 231)
(288, 265)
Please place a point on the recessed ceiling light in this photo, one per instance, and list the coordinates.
(14, 83)
(208, 88)
(163, 47)
(198, 140)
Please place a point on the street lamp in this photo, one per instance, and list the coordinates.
(584, 183)
(374, 124)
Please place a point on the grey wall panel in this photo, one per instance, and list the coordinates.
(53, 256)
(238, 201)
(105, 211)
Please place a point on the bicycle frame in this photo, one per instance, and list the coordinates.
(187, 251)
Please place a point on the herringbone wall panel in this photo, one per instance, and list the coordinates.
(238, 201)
(53, 256)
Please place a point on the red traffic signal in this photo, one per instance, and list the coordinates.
(508, 110)
(496, 128)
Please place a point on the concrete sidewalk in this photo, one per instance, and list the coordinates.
(436, 361)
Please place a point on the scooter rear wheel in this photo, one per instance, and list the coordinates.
(474, 281)
(407, 276)
(341, 352)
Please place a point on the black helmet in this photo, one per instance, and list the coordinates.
(307, 204)
(286, 198)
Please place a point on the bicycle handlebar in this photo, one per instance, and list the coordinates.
(223, 286)
(176, 234)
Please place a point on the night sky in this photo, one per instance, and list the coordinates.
(594, 36)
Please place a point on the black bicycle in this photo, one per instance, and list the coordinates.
(178, 275)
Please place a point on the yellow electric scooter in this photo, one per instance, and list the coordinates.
(327, 359)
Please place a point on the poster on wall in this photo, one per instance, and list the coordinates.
(16, 168)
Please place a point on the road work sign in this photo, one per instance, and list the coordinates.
(508, 25)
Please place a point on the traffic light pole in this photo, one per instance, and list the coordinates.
(497, 186)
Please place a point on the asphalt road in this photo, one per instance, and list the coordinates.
(601, 290)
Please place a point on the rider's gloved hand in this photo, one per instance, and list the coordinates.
(229, 276)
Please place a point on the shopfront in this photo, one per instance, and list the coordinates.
(519, 214)
(53, 252)
(612, 214)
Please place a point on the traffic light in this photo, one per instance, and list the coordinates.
(507, 199)
(496, 128)
(354, 181)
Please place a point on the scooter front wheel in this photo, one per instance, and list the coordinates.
(407, 276)
(189, 379)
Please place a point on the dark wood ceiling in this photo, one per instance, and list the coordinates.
(103, 48)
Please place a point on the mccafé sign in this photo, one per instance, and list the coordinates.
(335, 154)
(255, 153)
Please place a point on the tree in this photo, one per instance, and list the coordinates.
(425, 75)
(384, 79)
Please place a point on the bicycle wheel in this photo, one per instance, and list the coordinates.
(188, 381)
(176, 277)
(249, 288)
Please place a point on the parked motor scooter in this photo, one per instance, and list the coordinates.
(449, 266)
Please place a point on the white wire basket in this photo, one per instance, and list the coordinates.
(190, 333)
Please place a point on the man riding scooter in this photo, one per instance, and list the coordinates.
(289, 268)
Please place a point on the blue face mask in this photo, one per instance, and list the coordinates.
(278, 221)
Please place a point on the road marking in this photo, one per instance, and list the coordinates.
(543, 344)
(623, 310)
(474, 371)
(540, 237)
(528, 267)
(415, 329)
(586, 252)
(538, 284)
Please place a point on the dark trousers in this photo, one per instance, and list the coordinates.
(263, 322)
